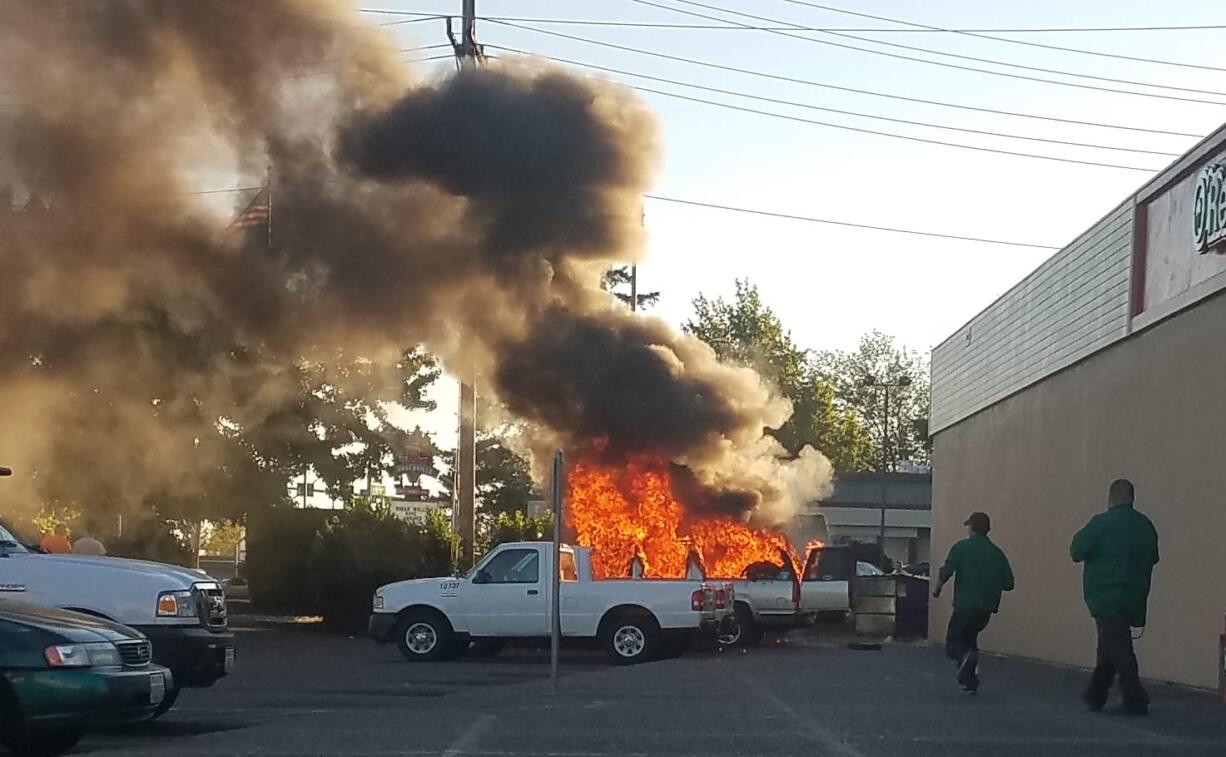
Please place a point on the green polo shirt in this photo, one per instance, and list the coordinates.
(980, 571)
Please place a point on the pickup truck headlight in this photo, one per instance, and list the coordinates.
(176, 604)
(101, 654)
(378, 602)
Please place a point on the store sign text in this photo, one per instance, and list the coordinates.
(1209, 211)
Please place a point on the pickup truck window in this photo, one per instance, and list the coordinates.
(9, 542)
(514, 566)
(569, 573)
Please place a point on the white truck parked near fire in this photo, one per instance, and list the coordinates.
(508, 595)
(770, 596)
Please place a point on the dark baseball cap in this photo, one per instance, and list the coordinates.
(979, 523)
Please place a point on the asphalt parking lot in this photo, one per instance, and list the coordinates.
(302, 691)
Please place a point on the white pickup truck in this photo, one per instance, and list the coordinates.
(769, 596)
(183, 612)
(508, 595)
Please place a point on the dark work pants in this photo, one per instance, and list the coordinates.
(1115, 658)
(962, 639)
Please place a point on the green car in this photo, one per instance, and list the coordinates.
(62, 672)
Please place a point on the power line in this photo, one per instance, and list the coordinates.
(649, 25)
(810, 106)
(981, 35)
(874, 132)
(908, 138)
(824, 85)
(810, 219)
(767, 213)
(302, 74)
(943, 64)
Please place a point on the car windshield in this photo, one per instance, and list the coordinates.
(10, 541)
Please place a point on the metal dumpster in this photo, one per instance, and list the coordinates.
(874, 605)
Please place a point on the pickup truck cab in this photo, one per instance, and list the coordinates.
(508, 594)
(771, 597)
(182, 612)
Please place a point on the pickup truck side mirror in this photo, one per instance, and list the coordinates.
(482, 578)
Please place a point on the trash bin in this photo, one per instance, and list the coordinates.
(911, 607)
(875, 605)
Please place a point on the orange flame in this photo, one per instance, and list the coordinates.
(629, 511)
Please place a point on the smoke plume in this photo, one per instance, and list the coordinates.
(472, 214)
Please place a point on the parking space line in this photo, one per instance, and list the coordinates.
(824, 736)
(469, 738)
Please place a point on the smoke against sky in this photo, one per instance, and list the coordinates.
(472, 214)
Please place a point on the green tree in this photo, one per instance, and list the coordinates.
(517, 526)
(504, 481)
(856, 377)
(616, 281)
(745, 331)
(222, 538)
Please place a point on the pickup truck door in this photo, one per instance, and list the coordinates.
(506, 597)
(826, 583)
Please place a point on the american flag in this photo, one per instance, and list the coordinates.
(257, 213)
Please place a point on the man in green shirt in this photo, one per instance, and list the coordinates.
(1119, 549)
(981, 572)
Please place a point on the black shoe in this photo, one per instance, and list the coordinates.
(968, 672)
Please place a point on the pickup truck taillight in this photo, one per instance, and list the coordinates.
(698, 600)
(721, 599)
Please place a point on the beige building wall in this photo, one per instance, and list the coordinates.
(1151, 408)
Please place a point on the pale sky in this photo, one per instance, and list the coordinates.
(831, 284)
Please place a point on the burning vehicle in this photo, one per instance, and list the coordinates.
(471, 216)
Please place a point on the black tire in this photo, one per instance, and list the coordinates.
(425, 636)
(745, 631)
(630, 637)
(172, 696)
(486, 647)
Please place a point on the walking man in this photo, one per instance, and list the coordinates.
(981, 572)
(1119, 549)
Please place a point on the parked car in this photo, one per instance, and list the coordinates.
(236, 588)
(62, 672)
(771, 597)
(183, 612)
(868, 569)
(507, 595)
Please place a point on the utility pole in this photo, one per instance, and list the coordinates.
(634, 287)
(468, 56)
(887, 465)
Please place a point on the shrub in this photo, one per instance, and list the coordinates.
(280, 543)
(361, 549)
(151, 539)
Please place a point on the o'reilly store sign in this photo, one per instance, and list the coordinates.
(1209, 212)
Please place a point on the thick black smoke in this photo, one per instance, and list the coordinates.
(473, 215)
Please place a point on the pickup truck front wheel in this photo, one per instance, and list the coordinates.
(630, 637)
(424, 636)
